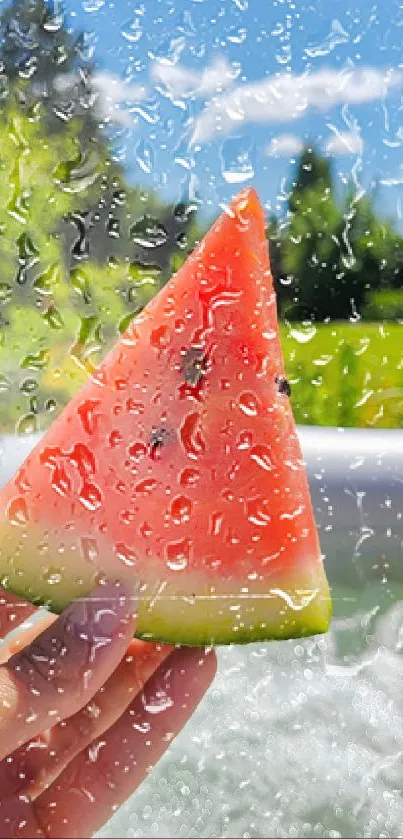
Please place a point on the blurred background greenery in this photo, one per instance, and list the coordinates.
(82, 251)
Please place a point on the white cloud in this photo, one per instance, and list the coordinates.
(180, 82)
(288, 97)
(344, 142)
(285, 145)
(114, 93)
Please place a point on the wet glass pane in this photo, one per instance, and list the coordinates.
(171, 462)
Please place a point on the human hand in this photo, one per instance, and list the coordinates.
(85, 712)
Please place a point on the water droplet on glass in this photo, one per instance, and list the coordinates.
(178, 554)
(144, 154)
(148, 232)
(132, 30)
(156, 702)
(28, 424)
(304, 332)
(89, 548)
(93, 5)
(237, 160)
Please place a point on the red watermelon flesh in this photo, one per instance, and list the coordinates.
(178, 464)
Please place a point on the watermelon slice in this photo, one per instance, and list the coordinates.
(178, 464)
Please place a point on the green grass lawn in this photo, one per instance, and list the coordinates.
(347, 374)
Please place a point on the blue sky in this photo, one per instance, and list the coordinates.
(205, 96)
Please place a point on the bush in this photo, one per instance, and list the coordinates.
(384, 305)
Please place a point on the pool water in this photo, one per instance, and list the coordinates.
(294, 739)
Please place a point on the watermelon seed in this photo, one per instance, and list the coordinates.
(283, 385)
(194, 365)
(159, 437)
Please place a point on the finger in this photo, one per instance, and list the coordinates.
(28, 631)
(38, 763)
(62, 669)
(13, 612)
(100, 779)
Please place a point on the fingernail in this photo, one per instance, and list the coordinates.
(105, 612)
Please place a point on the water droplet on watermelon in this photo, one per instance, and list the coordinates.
(125, 554)
(90, 496)
(60, 481)
(191, 437)
(244, 440)
(178, 554)
(87, 414)
(249, 404)
(189, 477)
(159, 337)
(137, 451)
(83, 459)
(89, 548)
(257, 511)
(52, 576)
(215, 523)
(181, 508)
(17, 512)
(156, 702)
(262, 456)
(146, 487)
(115, 438)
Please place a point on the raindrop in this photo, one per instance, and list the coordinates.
(144, 155)
(5, 383)
(6, 292)
(93, 5)
(28, 424)
(178, 554)
(148, 232)
(237, 160)
(132, 30)
(304, 332)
